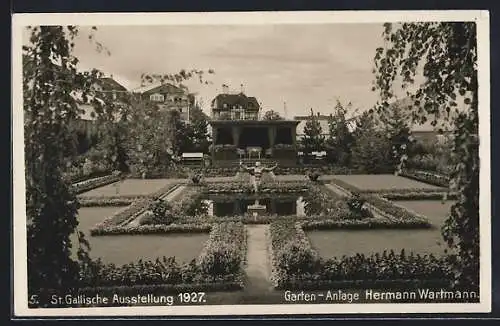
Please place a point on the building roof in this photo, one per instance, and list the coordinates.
(159, 87)
(109, 84)
(253, 122)
(234, 99)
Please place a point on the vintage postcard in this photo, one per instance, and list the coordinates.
(251, 163)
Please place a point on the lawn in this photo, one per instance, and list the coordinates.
(383, 182)
(130, 187)
(436, 210)
(123, 249)
(336, 243)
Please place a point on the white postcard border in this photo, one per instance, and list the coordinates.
(246, 18)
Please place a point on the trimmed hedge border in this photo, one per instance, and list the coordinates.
(311, 267)
(130, 212)
(386, 207)
(420, 196)
(90, 184)
(219, 267)
(432, 178)
(75, 178)
(351, 188)
(152, 229)
(101, 202)
(369, 223)
(264, 188)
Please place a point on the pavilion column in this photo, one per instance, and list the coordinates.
(214, 135)
(293, 132)
(271, 131)
(236, 207)
(273, 206)
(236, 135)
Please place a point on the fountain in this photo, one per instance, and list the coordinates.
(256, 173)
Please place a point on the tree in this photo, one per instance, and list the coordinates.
(395, 122)
(151, 139)
(159, 137)
(340, 140)
(313, 139)
(198, 130)
(446, 55)
(50, 82)
(271, 115)
(371, 150)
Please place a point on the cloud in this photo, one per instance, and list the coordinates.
(304, 65)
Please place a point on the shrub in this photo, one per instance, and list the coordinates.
(224, 252)
(196, 179)
(90, 184)
(356, 207)
(222, 259)
(313, 176)
(295, 258)
(162, 212)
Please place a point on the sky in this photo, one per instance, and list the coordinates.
(307, 65)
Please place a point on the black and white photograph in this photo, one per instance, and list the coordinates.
(251, 163)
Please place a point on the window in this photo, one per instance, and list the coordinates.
(224, 105)
(156, 97)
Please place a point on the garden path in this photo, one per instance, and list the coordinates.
(258, 268)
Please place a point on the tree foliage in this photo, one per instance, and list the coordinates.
(371, 150)
(340, 139)
(313, 138)
(445, 54)
(271, 115)
(51, 83)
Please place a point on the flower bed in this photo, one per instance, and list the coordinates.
(396, 213)
(90, 184)
(79, 176)
(431, 178)
(387, 208)
(296, 265)
(353, 189)
(218, 267)
(224, 254)
(415, 195)
(265, 187)
(131, 212)
(152, 229)
(107, 201)
(364, 224)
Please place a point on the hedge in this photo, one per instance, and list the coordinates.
(152, 229)
(432, 178)
(369, 223)
(221, 261)
(131, 212)
(264, 188)
(100, 201)
(415, 195)
(90, 184)
(296, 265)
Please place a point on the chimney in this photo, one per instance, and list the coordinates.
(242, 89)
(225, 89)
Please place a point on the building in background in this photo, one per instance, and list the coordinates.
(238, 133)
(234, 106)
(168, 97)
